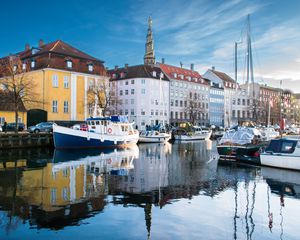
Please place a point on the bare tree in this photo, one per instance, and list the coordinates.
(103, 97)
(17, 85)
(194, 107)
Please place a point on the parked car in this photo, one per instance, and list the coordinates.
(81, 127)
(12, 127)
(41, 127)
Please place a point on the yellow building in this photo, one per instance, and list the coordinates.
(62, 76)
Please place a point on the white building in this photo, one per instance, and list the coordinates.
(142, 93)
(186, 87)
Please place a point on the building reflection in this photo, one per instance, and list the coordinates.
(62, 190)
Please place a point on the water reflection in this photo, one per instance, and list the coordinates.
(46, 189)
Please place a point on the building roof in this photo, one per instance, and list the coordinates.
(7, 104)
(223, 76)
(182, 74)
(138, 71)
(58, 47)
(56, 55)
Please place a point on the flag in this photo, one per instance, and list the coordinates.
(286, 103)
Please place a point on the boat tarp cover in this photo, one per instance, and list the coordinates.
(242, 136)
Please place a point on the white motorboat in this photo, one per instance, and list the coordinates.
(194, 133)
(102, 132)
(154, 137)
(268, 133)
(282, 153)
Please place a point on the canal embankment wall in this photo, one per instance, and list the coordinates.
(25, 140)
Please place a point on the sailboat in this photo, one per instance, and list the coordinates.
(243, 144)
(156, 134)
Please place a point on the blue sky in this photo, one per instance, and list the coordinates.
(202, 32)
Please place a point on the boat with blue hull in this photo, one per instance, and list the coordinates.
(102, 132)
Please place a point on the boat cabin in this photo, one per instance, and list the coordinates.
(284, 145)
(114, 125)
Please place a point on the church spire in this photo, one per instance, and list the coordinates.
(149, 57)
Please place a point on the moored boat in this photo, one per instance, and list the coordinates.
(282, 153)
(243, 144)
(269, 133)
(103, 132)
(153, 136)
(186, 132)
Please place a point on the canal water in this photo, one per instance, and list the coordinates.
(171, 191)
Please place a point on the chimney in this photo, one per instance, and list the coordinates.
(181, 64)
(192, 66)
(27, 46)
(163, 60)
(41, 43)
(116, 67)
(213, 68)
(126, 65)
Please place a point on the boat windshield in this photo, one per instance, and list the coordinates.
(282, 146)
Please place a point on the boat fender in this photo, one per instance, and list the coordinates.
(109, 130)
(102, 139)
(115, 142)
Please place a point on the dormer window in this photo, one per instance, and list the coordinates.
(114, 76)
(69, 64)
(175, 75)
(23, 66)
(188, 78)
(32, 65)
(15, 68)
(90, 67)
(122, 75)
(154, 74)
(202, 81)
(181, 76)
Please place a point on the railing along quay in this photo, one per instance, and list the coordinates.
(25, 140)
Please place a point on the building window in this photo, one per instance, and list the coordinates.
(143, 81)
(126, 92)
(143, 90)
(126, 83)
(90, 67)
(126, 111)
(132, 91)
(66, 106)
(143, 112)
(132, 112)
(132, 81)
(54, 106)
(154, 74)
(2, 120)
(53, 195)
(69, 64)
(244, 102)
(176, 103)
(233, 113)
(121, 92)
(23, 66)
(171, 115)
(132, 101)
(66, 82)
(65, 194)
(32, 63)
(54, 80)
(239, 101)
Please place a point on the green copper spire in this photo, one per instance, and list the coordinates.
(149, 57)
